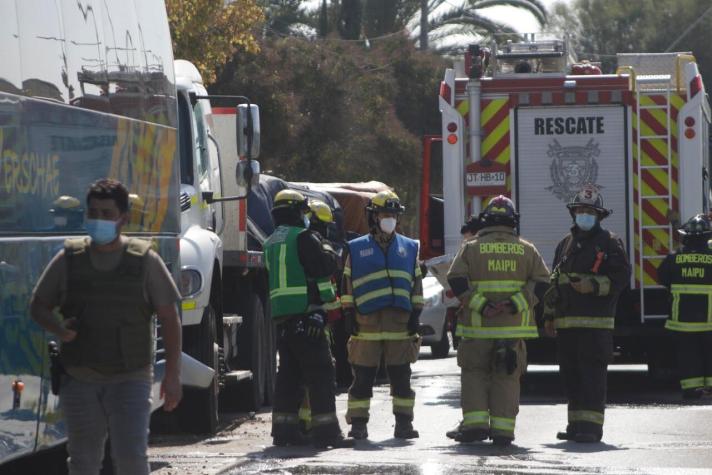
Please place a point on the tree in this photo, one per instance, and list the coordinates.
(335, 111)
(208, 32)
(601, 28)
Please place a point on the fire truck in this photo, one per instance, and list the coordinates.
(524, 120)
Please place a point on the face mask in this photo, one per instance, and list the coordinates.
(101, 230)
(388, 225)
(585, 222)
(306, 221)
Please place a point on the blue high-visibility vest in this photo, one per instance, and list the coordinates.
(382, 279)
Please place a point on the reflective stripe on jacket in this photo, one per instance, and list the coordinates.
(286, 276)
(499, 265)
(382, 279)
(688, 276)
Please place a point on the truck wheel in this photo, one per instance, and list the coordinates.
(441, 349)
(198, 411)
(252, 353)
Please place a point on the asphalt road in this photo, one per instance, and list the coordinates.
(648, 430)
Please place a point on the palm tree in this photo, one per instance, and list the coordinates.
(446, 19)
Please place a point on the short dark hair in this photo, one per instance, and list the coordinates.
(109, 189)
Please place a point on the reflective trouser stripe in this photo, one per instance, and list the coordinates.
(692, 383)
(708, 381)
(357, 408)
(359, 404)
(496, 332)
(503, 425)
(381, 336)
(402, 405)
(324, 419)
(475, 419)
(679, 326)
(285, 418)
(604, 323)
(586, 416)
(347, 299)
(305, 416)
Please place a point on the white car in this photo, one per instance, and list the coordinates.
(434, 326)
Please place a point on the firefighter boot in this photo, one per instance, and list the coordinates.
(294, 439)
(587, 438)
(404, 428)
(569, 433)
(336, 442)
(467, 435)
(501, 441)
(358, 430)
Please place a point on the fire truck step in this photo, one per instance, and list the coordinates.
(230, 320)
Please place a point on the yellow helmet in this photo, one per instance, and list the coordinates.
(66, 203)
(385, 201)
(321, 211)
(290, 199)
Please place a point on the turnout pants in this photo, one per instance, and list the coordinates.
(694, 359)
(365, 352)
(303, 363)
(489, 395)
(584, 355)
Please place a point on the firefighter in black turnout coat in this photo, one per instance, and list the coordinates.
(687, 274)
(591, 269)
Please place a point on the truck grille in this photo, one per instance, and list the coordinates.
(184, 201)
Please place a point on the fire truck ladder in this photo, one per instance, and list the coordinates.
(645, 87)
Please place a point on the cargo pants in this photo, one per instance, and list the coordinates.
(382, 334)
(584, 355)
(489, 395)
(694, 359)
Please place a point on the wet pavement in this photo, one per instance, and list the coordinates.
(647, 431)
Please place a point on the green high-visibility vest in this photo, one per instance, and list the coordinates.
(287, 279)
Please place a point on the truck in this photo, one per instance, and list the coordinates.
(78, 104)
(524, 119)
(225, 307)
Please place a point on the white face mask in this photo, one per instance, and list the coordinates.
(387, 225)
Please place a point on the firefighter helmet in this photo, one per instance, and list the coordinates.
(67, 204)
(500, 211)
(385, 202)
(321, 211)
(588, 197)
(698, 225)
(290, 199)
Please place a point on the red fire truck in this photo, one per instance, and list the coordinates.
(523, 119)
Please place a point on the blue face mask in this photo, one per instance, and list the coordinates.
(306, 222)
(101, 230)
(585, 222)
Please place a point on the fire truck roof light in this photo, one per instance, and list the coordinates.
(690, 121)
(452, 127)
(695, 86)
(452, 139)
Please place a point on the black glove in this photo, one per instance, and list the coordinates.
(314, 326)
(350, 323)
(413, 322)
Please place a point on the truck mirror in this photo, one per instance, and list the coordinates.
(248, 130)
(247, 175)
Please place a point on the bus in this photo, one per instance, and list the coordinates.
(87, 91)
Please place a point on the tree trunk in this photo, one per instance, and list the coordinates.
(350, 19)
(423, 25)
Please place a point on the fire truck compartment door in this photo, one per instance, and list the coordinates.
(559, 149)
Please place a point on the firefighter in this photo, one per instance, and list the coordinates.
(687, 274)
(591, 270)
(321, 221)
(494, 275)
(381, 301)
(300, 265)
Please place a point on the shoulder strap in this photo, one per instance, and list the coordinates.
(138, 247)
(76, 246)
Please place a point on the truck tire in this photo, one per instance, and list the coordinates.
(252, 354)
(198, 411)
(441, 349)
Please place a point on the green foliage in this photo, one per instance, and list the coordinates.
(208, 32)
(334, 111)
(602, 28)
